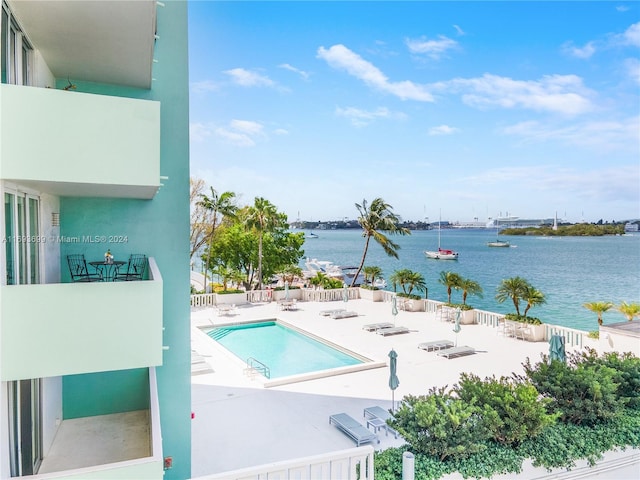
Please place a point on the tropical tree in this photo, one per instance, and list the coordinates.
(262, 217)
(290, 272)
(371, 273)
(514, 288)
(219, 206)
(630, 310)
(469, 287)
(533, 297)
(598, 308)
(450, 280)
(408, 281)
(374, 219)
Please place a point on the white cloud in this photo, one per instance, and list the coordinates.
(247, 126)
(632, 35)
(442, 130)
(361, 118)
(281, 131)
(564, 94)
(291, 68)
(247, 78)
(341, 58)
(204, 86)
(198, 132)
(579, 52)
(601, 135)
(242, 133)
(632, 66)
(236, 138)
(432, 48)
(459, 30)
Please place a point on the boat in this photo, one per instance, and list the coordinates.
(311, 235)
(346, 274)
(498, 242)
(441, 253)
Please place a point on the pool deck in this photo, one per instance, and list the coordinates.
(239, 423)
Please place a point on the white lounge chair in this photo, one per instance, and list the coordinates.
(328, 313)
(345, 314)
(377, 417)
(353, 428)
(392, 331)
(372, 327)
(435, 345)
(457, 352)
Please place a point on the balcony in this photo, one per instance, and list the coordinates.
(69, 328)
(124, 445)
(78, 144)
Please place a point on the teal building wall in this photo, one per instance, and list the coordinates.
(158, 228)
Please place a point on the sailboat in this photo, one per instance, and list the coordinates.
(441, 253)
(498, 242)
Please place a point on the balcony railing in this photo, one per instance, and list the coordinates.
(70, 328)
(79, 144)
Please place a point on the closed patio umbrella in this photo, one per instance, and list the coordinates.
(286, 290)
(556, 348)
(345, 293)
(456, 325)
(394, 309)
(393, 378)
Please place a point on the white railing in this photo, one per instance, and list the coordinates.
(572, 337)
(333, 295)
(203, 300)
(259, 296)
(351, 464)
(490, 319)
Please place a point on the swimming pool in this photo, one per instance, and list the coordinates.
(285, 350)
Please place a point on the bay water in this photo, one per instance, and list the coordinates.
(569, 271)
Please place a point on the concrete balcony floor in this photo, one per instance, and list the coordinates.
(99, 440)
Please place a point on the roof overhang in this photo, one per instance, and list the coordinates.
(92, 40)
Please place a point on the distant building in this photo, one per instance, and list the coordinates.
(631, 227)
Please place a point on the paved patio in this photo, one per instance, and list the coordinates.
(240, 423)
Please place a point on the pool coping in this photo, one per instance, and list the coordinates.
(367, 363)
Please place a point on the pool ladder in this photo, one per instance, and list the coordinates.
(255, 366)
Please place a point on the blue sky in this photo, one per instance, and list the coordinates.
(475, 109)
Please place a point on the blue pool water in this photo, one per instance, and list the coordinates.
(285, 351)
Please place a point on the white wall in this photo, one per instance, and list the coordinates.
(42, 76)
(51, 410)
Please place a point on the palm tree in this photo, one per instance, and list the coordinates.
(262, 217)
(598, 308)
(533, 297)
(374, 219)
(630, 310)
(371, 273)
(450, 280)
(514, 288)
(218, 205)
(415, 280)
(469, 287)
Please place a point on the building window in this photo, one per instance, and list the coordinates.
(17, 52)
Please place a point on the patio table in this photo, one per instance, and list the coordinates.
(107, 270)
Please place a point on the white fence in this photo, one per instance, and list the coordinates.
(351, 464)
(571, 336)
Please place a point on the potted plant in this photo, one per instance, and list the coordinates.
(369, 290)
(518, 289)
(410, 281)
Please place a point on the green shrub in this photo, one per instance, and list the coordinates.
(511, 407)
(461, 306)
(441, 425)
(595, 334)
(408, 295)
(582, 393)
(522, 319)
(369, 287)
(627, 373)
(291, 287)
(225, 292)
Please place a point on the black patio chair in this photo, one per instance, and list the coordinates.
(136, 267)
(79, 271)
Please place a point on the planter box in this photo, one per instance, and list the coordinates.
(294, 293)
(467, 317)
(409, 305)
(534, 333)
(231, 298)
(373, 295)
